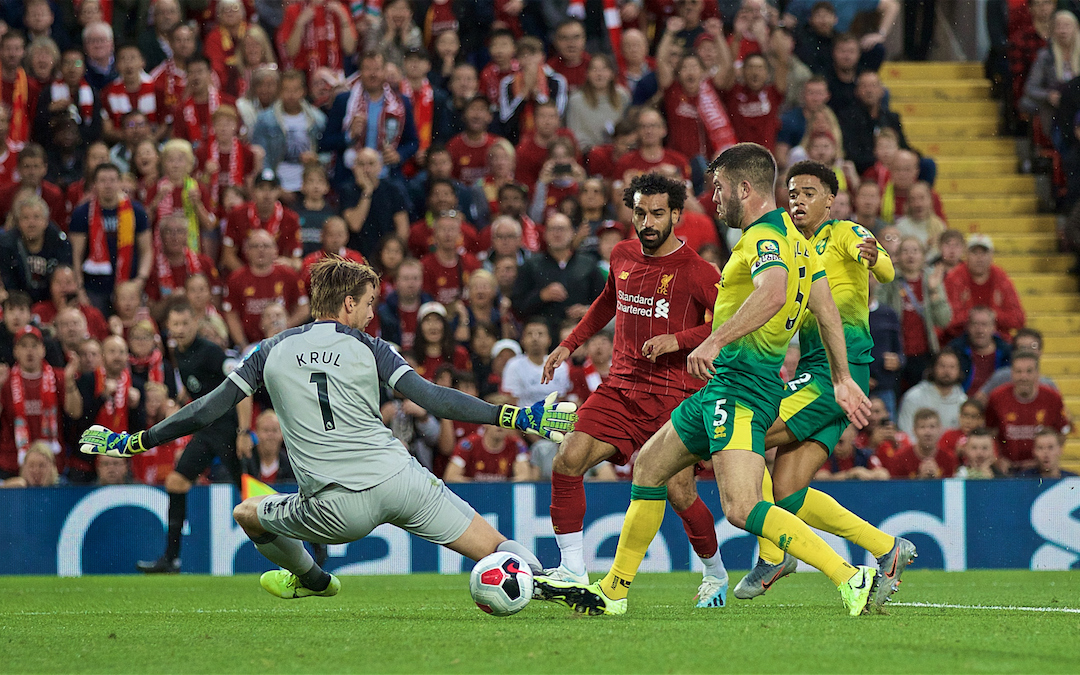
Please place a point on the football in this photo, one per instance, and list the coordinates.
(501, 584)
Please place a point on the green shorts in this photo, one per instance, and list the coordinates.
(809, 408)
(726, 414)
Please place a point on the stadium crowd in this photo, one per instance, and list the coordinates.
(172, 169)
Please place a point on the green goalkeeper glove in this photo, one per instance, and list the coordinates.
(98, 440)
(547, 418)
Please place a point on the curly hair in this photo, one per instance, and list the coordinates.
(818, 170)
(655, 184)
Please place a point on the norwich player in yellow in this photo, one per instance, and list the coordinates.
(767, 286)
(810, 421)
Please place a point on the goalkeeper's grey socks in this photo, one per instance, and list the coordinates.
(511, 546)
(291, 555)
(177, 514)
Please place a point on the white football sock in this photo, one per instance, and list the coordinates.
(714, 566)
(572, 547)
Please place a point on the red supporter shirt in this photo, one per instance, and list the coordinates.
(246, 166)
(601, 162)
(328, 50)
(53, 196)
(483, 465)
(9, 163)
(696, 229)
(159, 286)
(470, 160)
(177, 199)
(904, 463)
(169, 84)
(633, 161)
(407, 319)
(45, 311)
(491, 76)
(117, 101)
(982, 367)
(531, 158)
(650, 296)
(447, 284)
(686, 133)
(9, 456)
(422, 238)
(911, 321)
(755, 116)
(460, 360)
(287, 237)
(154, 465)
(248, 295)
(575, 75)
(952, 440)
(196, 130)
(1016, 422)
(998, 293)
(7, 93)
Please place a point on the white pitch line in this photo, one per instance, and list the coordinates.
(935, 605)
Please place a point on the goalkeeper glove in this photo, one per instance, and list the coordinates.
(547, 418)
(98, 440)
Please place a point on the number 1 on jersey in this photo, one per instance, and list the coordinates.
(320, 381)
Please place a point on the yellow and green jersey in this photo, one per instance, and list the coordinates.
(772, 241)
(836, 245)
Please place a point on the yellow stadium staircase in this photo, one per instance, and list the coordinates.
(948, 114)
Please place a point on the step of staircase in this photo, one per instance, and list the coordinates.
(1005, 184)
(994, 225)
(1060, 344)
(932, 70)
(1072, 404)
(1058, 303)
(960, 91)
(1056, 364)
(968, 166)
(1040, 243)
(1040, 284)
(942, 110)
(921, 131)
(992, 147)
(1015, 264)
(1020, 205)
(1068, 385)
(1052, 321)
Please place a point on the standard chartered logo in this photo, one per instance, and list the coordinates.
(662, 308)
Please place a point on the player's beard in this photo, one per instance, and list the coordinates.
(661, 237)
(733, 213)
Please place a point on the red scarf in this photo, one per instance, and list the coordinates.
(100, 261)
(613, 23)
(173, 77)
(19, 132)
(114, 413)
(60, 91)
(213, 100)
(49, 413)
(167, 206)
(320, 40)
(154, 363)
(164, 269)
(423, 103)
(528, 123)
(236, 169)
(715, 118)
(391, 117)
(272, 226)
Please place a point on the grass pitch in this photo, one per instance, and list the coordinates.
(428, 624)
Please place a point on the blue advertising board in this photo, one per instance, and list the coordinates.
(955, 524)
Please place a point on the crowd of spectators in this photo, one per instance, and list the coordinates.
(173, 168)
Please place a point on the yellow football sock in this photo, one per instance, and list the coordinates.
(796, 537)
(767, 550)
(825, 513)
(640, 526)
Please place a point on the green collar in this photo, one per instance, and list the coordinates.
(773, 219)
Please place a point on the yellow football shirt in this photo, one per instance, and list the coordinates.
(772, 241)
(836, 244)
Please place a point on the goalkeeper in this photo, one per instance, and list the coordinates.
(324, 379)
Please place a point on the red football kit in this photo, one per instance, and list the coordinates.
(248, 295)
(647, 296)
(470, 159)
(1016, 422)
(447, 284)
(483, 465)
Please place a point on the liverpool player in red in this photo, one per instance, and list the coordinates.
(661, 294)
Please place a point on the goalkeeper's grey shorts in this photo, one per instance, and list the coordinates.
(413, 499)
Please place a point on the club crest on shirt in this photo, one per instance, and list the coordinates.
(820, 246)
(665, 283)
(624, 276)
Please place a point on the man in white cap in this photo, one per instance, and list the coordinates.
(978, 282)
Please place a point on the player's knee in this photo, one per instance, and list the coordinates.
(573, 458)
(737, 513)
(246, 514)
(176, 483)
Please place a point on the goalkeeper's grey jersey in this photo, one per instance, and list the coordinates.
(324, 379)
